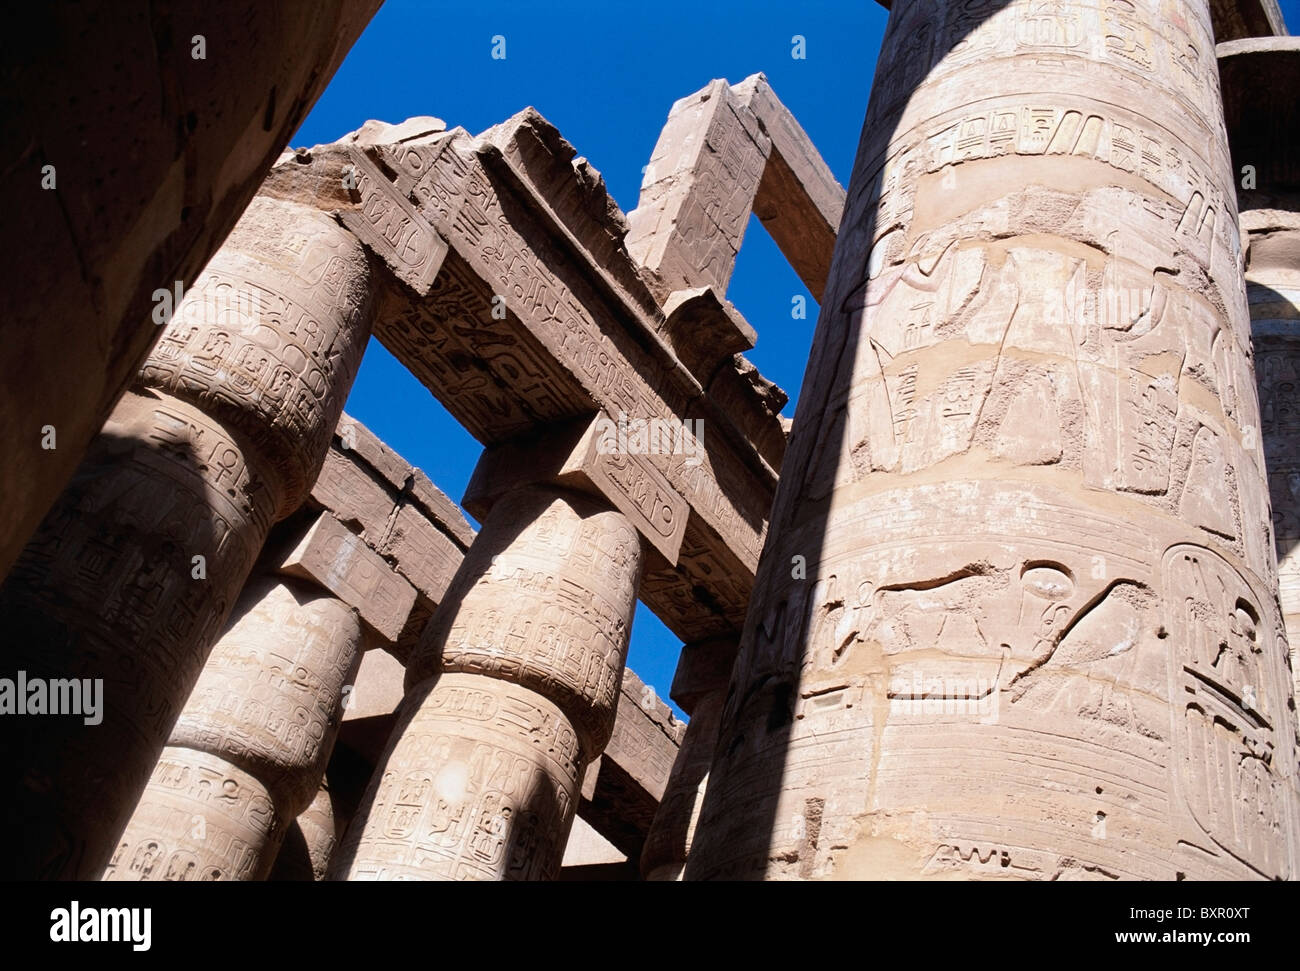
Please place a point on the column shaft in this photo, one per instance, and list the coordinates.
(1273, 290)
(132, 573)
(511, 693)
(668, 843)
(1037, 636)
(249, 750)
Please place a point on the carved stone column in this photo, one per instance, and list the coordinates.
(196, 100)
(307, 847)
(1262, 131)
(131, 575)
(510, 694)
(1015, 615)
(249, 750)
(700, 687)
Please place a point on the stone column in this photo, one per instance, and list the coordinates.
(1273, 289)
(132, 574)
(307, 847)
(510, 694)
(700, 687)
(1015, 615)
(249, 750)
(126, 175)
(1260, 78)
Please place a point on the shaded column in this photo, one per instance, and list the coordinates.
(510, 694)
(307, 847)
(248, 752)
(128, 172)
(1015, 615)
(700, 688)
(1273, 289)
(1260, 78)
(130, 577)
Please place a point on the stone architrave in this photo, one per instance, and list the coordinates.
(698, 192)
(399, 514)
(251, 746)
(1262, 133)
(130, 578)
(511, 693)
(540, 314)
(1015, 615)
(133, 141)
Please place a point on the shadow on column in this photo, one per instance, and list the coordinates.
(739, 814)
(103, 594)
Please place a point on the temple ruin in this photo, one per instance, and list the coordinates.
(1010, 597)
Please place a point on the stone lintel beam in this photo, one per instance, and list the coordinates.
(706, 330)
(574, 194)
(747, 430)
(702, 667)
(798, 200)
(399, 514)
(579, 456)
(339, 560)
(530, 154)
(1262, 128)
(698, 192)
(392, 228)
(573, 339)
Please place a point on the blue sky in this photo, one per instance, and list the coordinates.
(605, 74)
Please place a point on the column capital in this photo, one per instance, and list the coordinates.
(586, 455)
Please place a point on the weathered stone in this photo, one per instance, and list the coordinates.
(698, 191)
(258, 729)
(339, 561)
(1037, 635)
(1261, 131)
(798, 200)
(307, 847)
(575, 456)
(154, 152)
(512, 691)
(578, 325)
(700, 687)
(1230, 19)
(131, 575)
(387, 222)
(622, 792)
